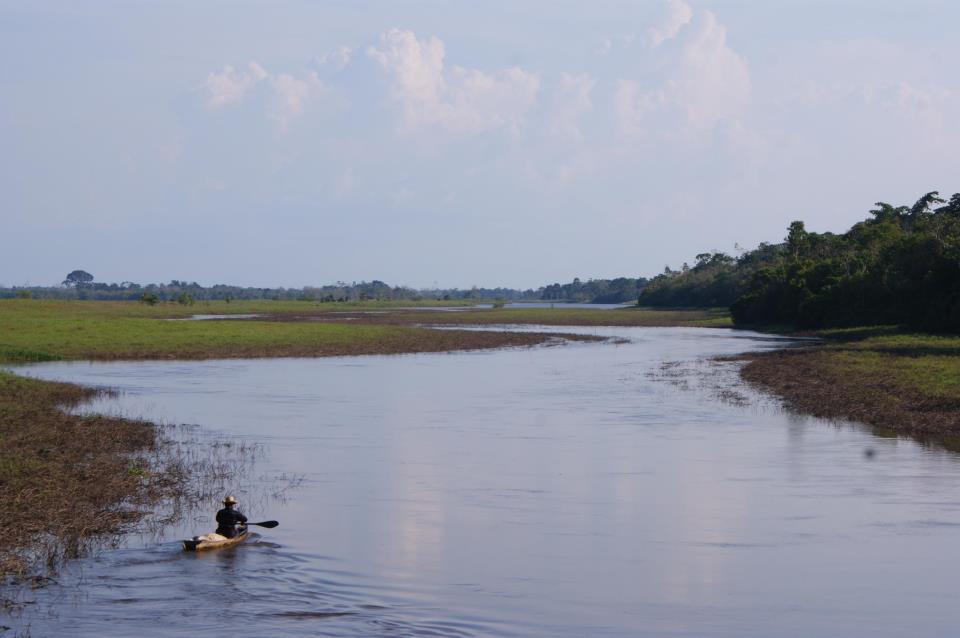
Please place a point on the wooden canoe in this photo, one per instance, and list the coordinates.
(202, 543)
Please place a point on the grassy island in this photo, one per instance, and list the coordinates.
(898, 382)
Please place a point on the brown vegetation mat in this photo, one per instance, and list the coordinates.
(830, 383)
(67, 479)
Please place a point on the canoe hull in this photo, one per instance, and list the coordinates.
(201, 544)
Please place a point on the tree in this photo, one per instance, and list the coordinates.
(924, 204)
(797, 238)
(78, 279)
(885, 212)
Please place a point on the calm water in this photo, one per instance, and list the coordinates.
(580, 490)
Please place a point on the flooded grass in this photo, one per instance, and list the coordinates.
(76, 484)
(68, 478)
(901, 383)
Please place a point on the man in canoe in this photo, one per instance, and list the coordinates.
(228, 518)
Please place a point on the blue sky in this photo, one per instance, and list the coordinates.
(455, 143)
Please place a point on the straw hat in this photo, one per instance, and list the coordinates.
(229, 501)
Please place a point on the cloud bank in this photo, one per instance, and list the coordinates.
(564, 141)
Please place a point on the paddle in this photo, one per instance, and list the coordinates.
(267, 524)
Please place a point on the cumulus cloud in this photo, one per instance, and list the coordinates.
(339, 58)
(287, 94)
(677, 14)
(291, 95)
(455, 98)
(704, 82)
(230, 85)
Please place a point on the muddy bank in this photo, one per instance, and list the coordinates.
(880, 389)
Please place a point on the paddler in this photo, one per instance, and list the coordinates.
(228, 518)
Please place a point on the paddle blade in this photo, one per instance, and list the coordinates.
(267, 524)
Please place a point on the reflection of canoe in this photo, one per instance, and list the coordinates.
(214, 541)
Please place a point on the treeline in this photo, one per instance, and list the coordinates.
(619, 290)
(81, 284)
(899, 266)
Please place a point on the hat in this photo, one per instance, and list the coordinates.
(229, 501)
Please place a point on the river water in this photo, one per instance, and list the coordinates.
(590, 489)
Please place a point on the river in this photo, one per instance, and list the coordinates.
(588, 489)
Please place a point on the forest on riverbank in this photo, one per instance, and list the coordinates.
(900, 266)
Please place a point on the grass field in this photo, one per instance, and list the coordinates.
(50, 330)
(33, 330)
(929, 365)
(900, 382)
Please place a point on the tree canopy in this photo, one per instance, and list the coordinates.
(899, 266)
(78, 279)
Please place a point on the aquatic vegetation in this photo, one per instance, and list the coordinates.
(69, 478)
(905, 383)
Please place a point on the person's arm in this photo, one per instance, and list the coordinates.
(241, 517)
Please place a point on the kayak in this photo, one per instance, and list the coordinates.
(213, 541)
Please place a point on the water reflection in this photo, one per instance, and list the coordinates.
(567, 491)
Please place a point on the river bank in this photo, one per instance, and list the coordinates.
(902, 384)
(899, 383)
(68, 479)
(532, 493)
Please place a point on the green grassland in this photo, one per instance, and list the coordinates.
(902, 383)
(42, 330)
(925, 364)
(38, 330)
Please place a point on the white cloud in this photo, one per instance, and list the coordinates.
(704, 82)
(455, 98)
(288, 95)
(677, 15)
(230, 85)
(339, 58)
(291, 95)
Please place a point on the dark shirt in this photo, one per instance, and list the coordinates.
(227, 520)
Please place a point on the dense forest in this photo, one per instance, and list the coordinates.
(899, 266)
(81, 284)
(619, 290)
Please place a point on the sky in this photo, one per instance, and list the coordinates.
(452, 144)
